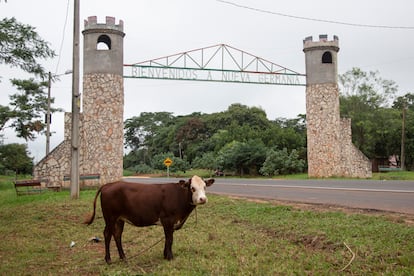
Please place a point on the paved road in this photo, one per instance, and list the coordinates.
(395, 196)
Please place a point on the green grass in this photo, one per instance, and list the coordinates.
(402, 175)
(227, 237)
(399, 175)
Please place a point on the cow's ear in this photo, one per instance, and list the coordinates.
(183, 184)
(209, 182)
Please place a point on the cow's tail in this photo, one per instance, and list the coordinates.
(89, 220)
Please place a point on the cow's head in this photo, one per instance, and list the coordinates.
(197, 187)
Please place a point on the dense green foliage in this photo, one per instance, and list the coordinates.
(371, 103)
(282, 162)
(15, 158)
(236, 140)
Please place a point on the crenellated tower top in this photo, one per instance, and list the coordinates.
(321, 59)
(92, 23)
(323, 41)
(103, 46)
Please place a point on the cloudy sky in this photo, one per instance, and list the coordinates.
(374, 35)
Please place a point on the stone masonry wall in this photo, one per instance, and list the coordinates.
(330, 148)
(102, 145)
(353, 162)
(57, 164)
(323, 134)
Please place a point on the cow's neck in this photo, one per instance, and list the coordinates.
(188, 208)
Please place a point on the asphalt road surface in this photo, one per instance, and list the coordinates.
(394, 196)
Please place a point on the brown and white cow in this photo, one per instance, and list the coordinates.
(148, 204)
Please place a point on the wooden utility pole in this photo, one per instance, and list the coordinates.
(75, 146)
(402, 159)
(48, 115)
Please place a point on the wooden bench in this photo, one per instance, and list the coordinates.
(28, 186)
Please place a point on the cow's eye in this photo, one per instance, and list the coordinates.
(193, 189)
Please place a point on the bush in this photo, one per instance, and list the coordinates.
(242, 157)
(207, 161)
(143, 168)
(281, 162)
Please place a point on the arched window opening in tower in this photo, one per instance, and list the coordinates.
(327, 57)
(104, 43)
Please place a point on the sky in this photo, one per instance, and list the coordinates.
(273, 30)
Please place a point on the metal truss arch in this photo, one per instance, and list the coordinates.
(217, 63)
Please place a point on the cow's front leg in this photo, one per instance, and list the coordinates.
(168, 232)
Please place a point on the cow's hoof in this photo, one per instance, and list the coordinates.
(124, 260)
(108, 260)
(169, 257)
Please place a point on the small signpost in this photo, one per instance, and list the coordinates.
(168, 162)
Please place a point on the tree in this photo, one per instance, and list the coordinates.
(15, 157)
(207, 161)
(28, 107)
(405, 105)
(189, 136)
(243, 157)
(141, 130)
(21, 46)
(365, 98)
(369, 86)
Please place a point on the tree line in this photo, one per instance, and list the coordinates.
(236, 140)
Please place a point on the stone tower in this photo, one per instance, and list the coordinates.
(101, 121)
(330, 148)
(103, 99)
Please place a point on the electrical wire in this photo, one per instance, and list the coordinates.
(315, 19)
(63, 38)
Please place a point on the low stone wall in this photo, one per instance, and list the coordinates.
(57, 163)
(353, 162)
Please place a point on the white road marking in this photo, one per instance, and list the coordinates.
(319, 188)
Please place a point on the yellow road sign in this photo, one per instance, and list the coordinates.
(168, 162)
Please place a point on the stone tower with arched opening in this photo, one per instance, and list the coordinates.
(329, 137)
(101, 120)
(103, 98)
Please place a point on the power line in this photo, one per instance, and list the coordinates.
(315, 19)
(63, 38)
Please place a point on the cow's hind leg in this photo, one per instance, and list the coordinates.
(108, 231)
(168, 232)
(119, 228)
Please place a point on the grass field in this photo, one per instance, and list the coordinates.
(228, 236)
(396, 175)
